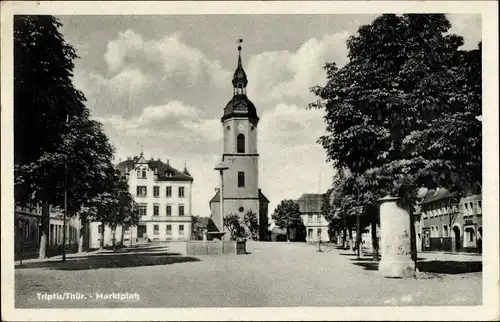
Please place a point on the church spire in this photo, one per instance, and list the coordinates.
(240, 77)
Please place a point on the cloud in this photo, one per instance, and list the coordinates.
(290, 157)
(467, 26)
(175, 125)
(175, 58)
(291, 125)
(282, 76)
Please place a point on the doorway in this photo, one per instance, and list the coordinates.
(456, 232)
(141, 231)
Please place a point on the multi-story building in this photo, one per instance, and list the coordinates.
(164, 197)
(315, 223)
(448, 222)
(28, 231)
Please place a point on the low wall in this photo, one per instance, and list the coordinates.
(197, 247)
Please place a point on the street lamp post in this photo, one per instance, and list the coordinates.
(221, 167)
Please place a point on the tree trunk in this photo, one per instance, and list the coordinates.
(287, 234)
(44, 239)
(113, 241)
(122, 237)
(82, 233)
(350, 238)
(374, 239)
(358, 234)
(344, 237)
(102, 235)
(413, 238)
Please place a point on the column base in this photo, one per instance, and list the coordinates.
(397, 268)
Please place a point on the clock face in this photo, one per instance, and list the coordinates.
(241, 127)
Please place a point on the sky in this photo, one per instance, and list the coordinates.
(160, 83)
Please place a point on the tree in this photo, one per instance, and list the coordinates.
(73, 153)
(391, 109)
(233, 223)
(287, 216)
(252, 223)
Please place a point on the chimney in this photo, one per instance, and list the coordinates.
(152, 159)
(129, 158)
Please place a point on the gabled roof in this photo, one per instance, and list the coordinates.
(262, 198)
(310, 202)
(436, 195)
(165, 171)
(216, 198)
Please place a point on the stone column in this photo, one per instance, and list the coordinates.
(395, 240)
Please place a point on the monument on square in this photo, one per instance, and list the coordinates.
(395, 239)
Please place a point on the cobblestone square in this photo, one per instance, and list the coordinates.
(271, 275)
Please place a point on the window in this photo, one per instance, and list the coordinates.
(445, 231)
(240, 143)
(169, 229)
(319, 232)
(479, 203)
(169, 191)
(144, 173)
(156, 229)
(139, 174)
(309, 232)
(156, 210)
(99, 229)
(241, 179)
(142, 191)
(181, 210)
(181, 192)
(181, 229)
(156, 191)
(169, 210)
(127, 229)
(142, 209)
(310, 218)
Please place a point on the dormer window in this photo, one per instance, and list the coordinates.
(144, 173)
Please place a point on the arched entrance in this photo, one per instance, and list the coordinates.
(458, 241)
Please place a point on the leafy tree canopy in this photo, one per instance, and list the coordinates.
(404, 111)
(287, 215)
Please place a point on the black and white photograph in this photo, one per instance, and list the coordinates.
(229, 159)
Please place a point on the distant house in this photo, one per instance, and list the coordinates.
(315, 223)
(450, 223)
(278, 234)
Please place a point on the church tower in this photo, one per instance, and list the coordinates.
(240, 154)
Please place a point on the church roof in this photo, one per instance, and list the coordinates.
(240, 105)
(240, 77)
(216, 198)
(165, 171)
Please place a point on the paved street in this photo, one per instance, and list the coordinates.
(273, 274)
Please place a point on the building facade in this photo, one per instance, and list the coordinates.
(450, 223)
(315, 223)
(164, 197)
(28, 231)
(241, 181)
